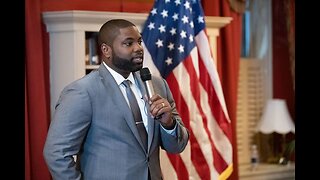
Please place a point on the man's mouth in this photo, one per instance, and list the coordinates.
(137, 60)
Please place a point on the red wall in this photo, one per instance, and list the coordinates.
(138, 6)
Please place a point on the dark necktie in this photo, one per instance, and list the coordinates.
(136, 114)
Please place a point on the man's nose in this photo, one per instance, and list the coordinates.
(138, 47)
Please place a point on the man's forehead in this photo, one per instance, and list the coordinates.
(129, 32)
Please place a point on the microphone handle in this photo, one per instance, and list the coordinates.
(150, 93)
(149, 87)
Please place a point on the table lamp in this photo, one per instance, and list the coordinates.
(276, 119)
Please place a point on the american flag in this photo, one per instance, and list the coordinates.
(177, 48)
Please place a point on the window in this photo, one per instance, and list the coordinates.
(255, 76)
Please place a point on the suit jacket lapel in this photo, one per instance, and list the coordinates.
(118, 99)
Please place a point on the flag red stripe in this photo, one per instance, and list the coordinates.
(213, 100)
(197, 157)
(179, 166)
(219, 163)
(175, 159)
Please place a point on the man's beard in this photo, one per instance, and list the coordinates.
(125, 64)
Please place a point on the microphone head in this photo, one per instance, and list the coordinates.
(145, 74)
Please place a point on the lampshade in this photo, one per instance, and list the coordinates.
(276, 118)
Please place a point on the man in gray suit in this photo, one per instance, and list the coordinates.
(93, 120)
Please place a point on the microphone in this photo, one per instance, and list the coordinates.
(146, 78)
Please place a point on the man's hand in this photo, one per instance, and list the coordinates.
(160, 109)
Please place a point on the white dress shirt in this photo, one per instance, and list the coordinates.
(119, 79)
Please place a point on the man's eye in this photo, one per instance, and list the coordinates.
(127, 43)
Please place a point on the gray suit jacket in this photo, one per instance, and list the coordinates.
(93, 121)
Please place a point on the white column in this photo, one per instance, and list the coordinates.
(67, 52)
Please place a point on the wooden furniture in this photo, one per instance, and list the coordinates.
(267, 172)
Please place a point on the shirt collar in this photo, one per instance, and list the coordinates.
(118, 77)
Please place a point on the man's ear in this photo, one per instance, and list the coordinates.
(106, 50)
